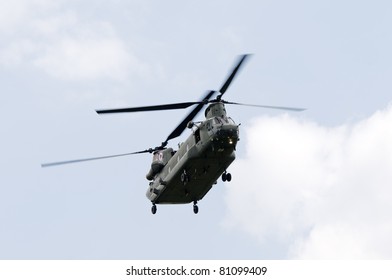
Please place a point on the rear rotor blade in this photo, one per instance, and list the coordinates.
(172, 106)
(94, 158)
(232, 75)
(266, 106)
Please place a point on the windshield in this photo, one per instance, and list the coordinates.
(226, 120)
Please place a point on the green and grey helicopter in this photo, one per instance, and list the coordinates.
(187, 174)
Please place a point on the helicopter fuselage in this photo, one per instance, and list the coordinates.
(186, 175)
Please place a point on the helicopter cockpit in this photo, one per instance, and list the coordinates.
(223, 120)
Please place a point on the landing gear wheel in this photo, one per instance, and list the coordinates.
(153, 209)
(195, 208)
(224, 177)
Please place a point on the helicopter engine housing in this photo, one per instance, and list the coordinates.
(159, 160)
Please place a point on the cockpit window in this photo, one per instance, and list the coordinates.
(230, 120)
(217, 120)
(225, 120)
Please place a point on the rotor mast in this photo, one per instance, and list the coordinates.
(216, 109)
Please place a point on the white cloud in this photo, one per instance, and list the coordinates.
(15, 14)
(319, 192)
(63, 43)
(83, 58)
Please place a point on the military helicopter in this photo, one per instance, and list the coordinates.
(187, 174)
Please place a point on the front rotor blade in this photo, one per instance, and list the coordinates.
(94, 158)
(172, 106)
(181, 127)
(266, 106)
(232, 75)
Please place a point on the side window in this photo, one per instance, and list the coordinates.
(209, 125)
(197, 135)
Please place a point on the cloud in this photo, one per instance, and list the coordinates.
(317, 192)
(63, 43)
(86, 58)
(15, 13)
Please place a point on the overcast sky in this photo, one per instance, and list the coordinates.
(314, 184)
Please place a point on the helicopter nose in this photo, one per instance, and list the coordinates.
(227, 136)
(229, 131)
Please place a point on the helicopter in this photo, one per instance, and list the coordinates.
(187, 174)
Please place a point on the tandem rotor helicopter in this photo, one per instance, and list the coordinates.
(187, 174)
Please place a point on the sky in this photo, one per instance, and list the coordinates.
(308, 185)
